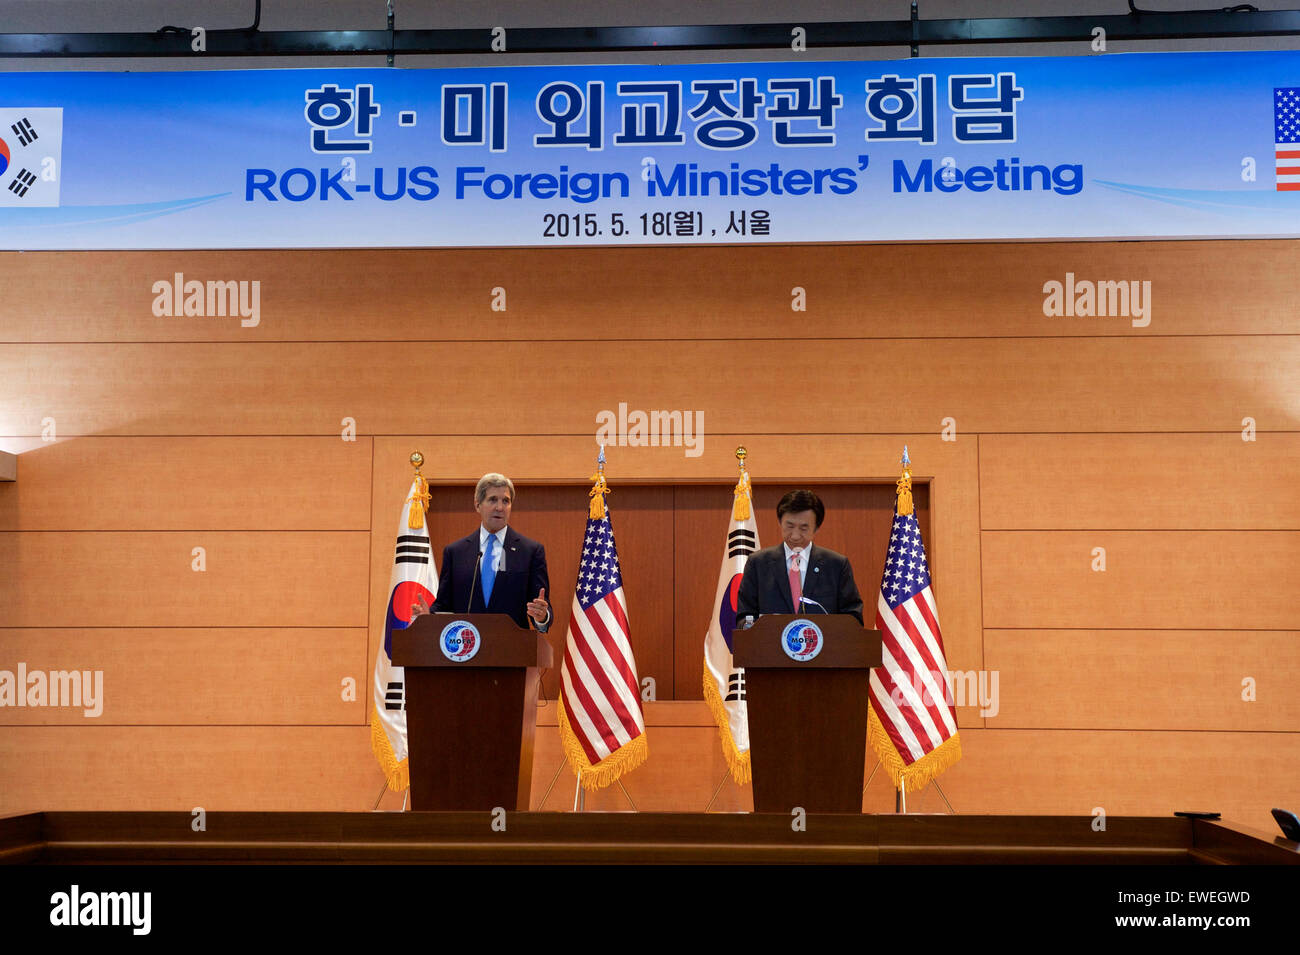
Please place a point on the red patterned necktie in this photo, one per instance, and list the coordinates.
(796, 591)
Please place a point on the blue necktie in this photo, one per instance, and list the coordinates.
(489, 572)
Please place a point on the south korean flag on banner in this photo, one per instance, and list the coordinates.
(414, 576)
(31, 156)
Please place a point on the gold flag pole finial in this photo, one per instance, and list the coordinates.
(905, 486)
(742, 508)
(598, 489)
(420, 499)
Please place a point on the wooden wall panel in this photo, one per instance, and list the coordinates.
(1054, 385)
(1182, 580)
(161, 768)
(663, 293)
(163, 484)
(1050, 412)
(1073, 772)
(1145, 679)
(1069, 772)
(1139, 482)
(192, 676)
(121, 579)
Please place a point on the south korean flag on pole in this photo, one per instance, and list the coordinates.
(415, 575)
(724, 682)
(31, 156)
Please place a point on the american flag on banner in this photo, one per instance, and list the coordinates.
(912, 724)
(1286, 137)
(724, 682)
(414, 575)
(602, 728)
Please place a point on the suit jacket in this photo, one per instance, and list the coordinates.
(765, 586)
(521, 578)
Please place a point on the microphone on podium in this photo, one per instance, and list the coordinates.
(473, 582)
(809, 600)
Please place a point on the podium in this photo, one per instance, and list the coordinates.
(471, 698)
(807, 717)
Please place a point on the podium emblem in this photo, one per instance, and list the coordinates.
(801, 640)
(460, 640)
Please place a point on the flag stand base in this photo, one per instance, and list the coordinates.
(580, 796)
(406, 795)
(900, 797)
(546, 795)
(725, 774)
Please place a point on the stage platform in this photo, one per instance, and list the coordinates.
(124, 838)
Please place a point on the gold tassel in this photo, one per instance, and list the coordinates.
(419, 504)
(737, 761)
(742, 509)
(905, 492)
(597, 495)
(605, 773)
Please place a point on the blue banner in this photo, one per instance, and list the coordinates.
(1113, 146)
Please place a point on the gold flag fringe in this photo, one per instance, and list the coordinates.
(397, 774)
(737, 761)
(918, 775)
(419, 504)
(595, 776)
(597, 495)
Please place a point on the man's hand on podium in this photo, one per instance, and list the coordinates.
(419, 606)
(539, 609)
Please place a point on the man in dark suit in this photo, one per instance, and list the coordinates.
(776, 577)
(494, 569)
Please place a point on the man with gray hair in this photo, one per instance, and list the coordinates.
(494, 569)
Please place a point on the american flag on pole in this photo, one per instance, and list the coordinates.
(414, 575)
(724, 682)
(912, 724)
(1286, 137)
(602, 729)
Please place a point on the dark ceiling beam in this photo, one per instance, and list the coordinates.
(759, 36)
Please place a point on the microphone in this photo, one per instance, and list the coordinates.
(473, 582)
(809, 600)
